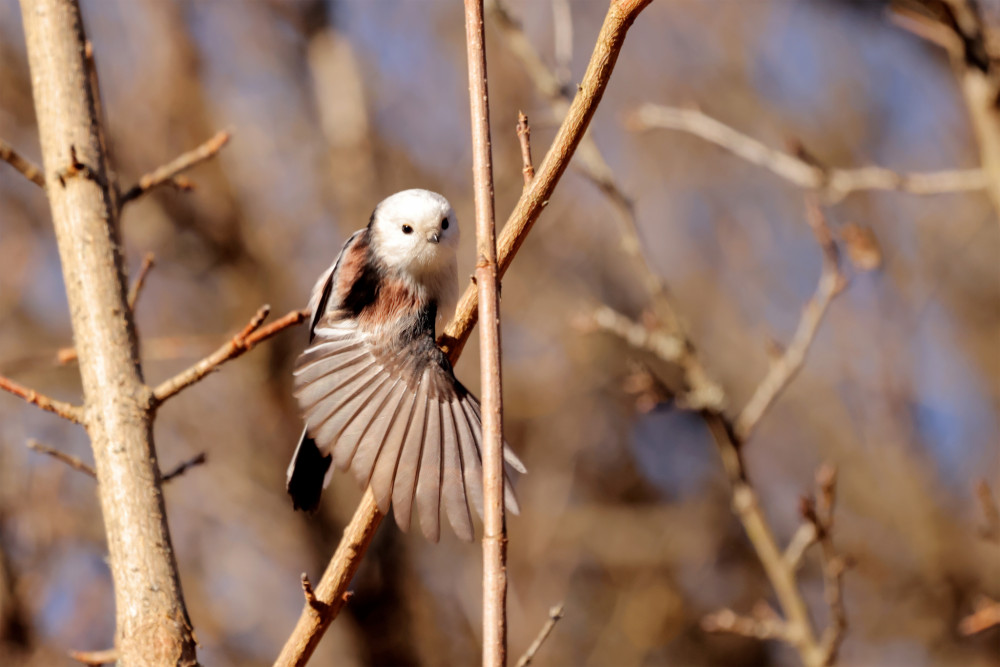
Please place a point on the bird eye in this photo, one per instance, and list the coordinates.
(444, 224)
(407, 229)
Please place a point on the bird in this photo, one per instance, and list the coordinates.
(378, 397)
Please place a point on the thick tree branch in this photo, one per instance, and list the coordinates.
(241, 343)
(22, 164)
(835, 183)
(358, 534)
(152, 625)
(168, 173)
(67, 411)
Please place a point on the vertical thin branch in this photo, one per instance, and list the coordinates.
(152, 626)
(494, 527)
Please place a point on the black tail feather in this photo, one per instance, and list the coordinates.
(306, 474)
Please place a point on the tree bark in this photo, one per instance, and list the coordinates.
(152, 625)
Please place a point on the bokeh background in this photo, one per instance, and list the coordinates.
(625, 511)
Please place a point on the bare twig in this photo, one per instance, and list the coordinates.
(22, 164)
(133, 294)
(67, 411)
(786, 366)
(985, 615)
(95, 658)
(621, 14)
(71, 461)
(184, 466)
(555, 613)
(990, 530)
(361, 529)
(666, 346)
(310, 595)
(524, 139)
(494, 524)
(238, 345)
(763, 624)
(836, 183)
(702, 393)
(168, 172)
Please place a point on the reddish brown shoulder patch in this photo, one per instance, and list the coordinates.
(352, 264)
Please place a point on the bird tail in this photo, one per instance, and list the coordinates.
(307, 474)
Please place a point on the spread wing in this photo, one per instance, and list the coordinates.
(390, 409)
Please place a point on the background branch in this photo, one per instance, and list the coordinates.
(555, 613)
(835, 183)
(67, 411)
(168, 172)
(22, 164)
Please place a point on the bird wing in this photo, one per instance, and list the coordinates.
(388, 407)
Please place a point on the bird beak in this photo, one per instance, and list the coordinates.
(434, 238)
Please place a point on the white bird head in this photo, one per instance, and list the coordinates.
(416, 233)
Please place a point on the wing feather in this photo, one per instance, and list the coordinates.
(452, 480)
(360, 423)
(384, 472)
(429, 480)
(471, 406)
(408, 467)
(370, 445)
(472, 466)
(508, 454)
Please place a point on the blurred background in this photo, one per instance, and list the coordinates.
(335, 104)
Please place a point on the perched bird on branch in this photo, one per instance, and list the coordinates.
(378, 396)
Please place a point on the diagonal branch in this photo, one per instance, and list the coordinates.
(29, 170)
(73, 413)
(241, 343)
(360, 531)
(140, 280)
(785, 367)
(555, 613)
(836, 183)
(168, 172)
(68, 459)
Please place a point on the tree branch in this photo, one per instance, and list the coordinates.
(73, 413)
(835, 183)
(152, 624)
(361, 529)
(71, 461)
(241, 343)
(494, 524)
(140, 280)
(22, 164)
(168, 172)
(524, 139)
(184, 466)
(555, 613)
(786, 366)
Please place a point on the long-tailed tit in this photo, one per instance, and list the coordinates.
(378, 395)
